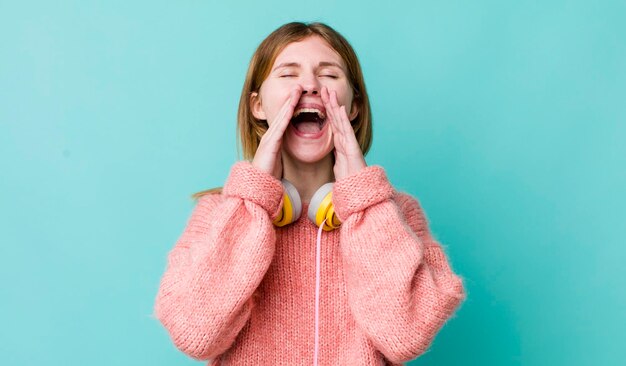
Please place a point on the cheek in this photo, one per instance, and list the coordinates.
(344, 93)
(347, 101)
(274, 97)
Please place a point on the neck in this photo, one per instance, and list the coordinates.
(308, 177)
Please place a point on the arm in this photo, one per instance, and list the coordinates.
(401, 289)
(205, 296)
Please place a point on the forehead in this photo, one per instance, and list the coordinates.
(311, 50)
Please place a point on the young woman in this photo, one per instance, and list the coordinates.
(307, 255)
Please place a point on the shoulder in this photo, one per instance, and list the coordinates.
(412, 211)
(407, 203)
(209, 199)
(203, 206)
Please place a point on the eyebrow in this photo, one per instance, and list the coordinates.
(295, 64)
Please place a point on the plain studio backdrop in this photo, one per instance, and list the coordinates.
(506, 119)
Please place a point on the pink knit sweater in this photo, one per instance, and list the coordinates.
(238, 290)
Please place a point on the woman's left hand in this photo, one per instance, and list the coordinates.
(348, 155)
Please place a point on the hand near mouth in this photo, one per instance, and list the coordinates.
(348, 155)
(268, 154)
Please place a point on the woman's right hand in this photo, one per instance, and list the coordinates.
(268, 155)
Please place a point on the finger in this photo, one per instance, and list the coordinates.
(273, 130)
(330, 110)
(344, 117)
(272, 137)
(340, 123)
(349, 141)
(328, 107)
(324, 95)
(326, 101)
(286, 112)
(292, 102)
(346, 124)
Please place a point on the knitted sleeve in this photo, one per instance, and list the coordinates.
(401, 289)
(206, 293)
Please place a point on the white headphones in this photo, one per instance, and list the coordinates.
(320, 208)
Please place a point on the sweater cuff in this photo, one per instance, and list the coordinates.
(358, 191)
(252, 184)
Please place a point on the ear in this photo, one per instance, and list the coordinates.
(354, 111)
(255, 106)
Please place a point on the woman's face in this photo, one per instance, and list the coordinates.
(308, 64)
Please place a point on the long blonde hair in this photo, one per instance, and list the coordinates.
(250, 129)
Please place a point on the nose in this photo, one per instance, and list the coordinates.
(310, 84)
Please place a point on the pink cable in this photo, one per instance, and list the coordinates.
(317, 290)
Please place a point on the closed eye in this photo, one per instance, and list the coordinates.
(289, 76)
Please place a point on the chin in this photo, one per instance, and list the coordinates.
(309, 154)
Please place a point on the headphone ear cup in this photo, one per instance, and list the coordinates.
(321, 208)
(292, 205)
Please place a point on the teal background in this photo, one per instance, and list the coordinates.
(506, 119)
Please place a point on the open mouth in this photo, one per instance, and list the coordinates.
(308, 120)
